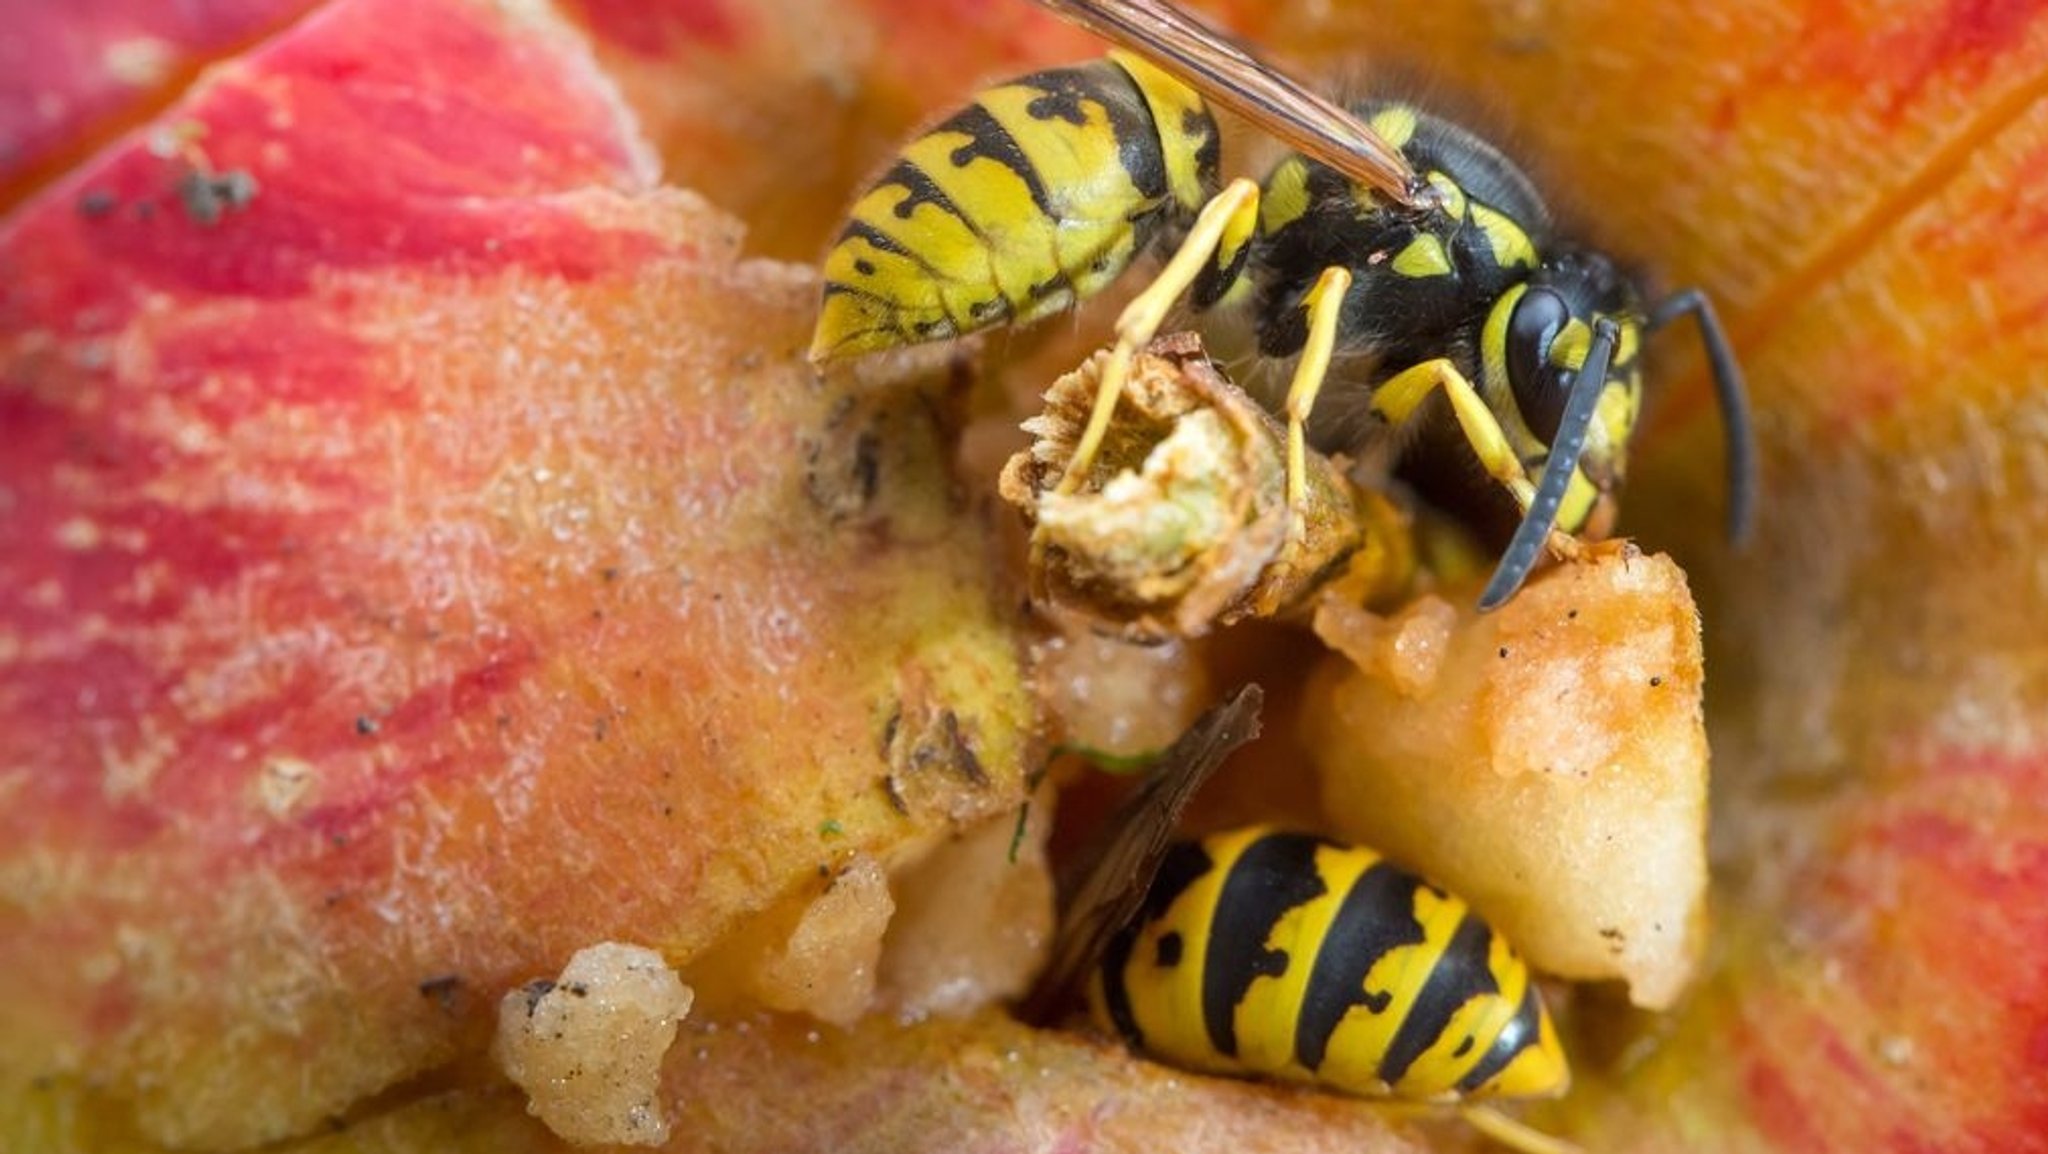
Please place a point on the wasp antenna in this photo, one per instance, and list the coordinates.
(1565, 450)
(1733, 395)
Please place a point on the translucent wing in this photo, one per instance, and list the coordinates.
(1106, 882)
(1230, 76)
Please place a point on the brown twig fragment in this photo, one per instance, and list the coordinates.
(1183, 523)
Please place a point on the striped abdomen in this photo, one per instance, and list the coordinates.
(1286, 956)
(1034, 196)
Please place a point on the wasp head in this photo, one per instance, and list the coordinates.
(1552, 366)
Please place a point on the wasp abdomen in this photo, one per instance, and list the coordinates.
(1037, 194)
(1286, 956)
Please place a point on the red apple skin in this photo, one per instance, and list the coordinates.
(438, 562)
(1934, 886)
(74, 75)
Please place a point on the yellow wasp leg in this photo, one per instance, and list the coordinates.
(1325, 303)
(1399, 396)
(1515, 1135)
(1225, 225)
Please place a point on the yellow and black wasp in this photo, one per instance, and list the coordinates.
(1392, 256)
(1272, 954)
(1257, 952)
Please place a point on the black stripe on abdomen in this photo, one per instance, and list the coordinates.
(1376, 917)
(1271, 877)
(919, 188)
(1116, 995)
(1460, 975)
(1184, 863)
(988, 139)
(1523, 1030)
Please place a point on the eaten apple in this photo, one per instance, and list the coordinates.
(424, 553)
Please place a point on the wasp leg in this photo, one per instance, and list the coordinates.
(1226, 225)
(1325, 304)
(1402, 393)
(1516, 1135)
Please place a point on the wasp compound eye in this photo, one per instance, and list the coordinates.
(1540, 387)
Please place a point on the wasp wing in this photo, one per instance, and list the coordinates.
(1228, 74)
(1101, 889)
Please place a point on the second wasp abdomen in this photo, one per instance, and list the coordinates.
(1026, 201)
(1287, 956)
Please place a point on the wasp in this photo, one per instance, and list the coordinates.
(1393, 256)
(1271, 954)
(1263, 953)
